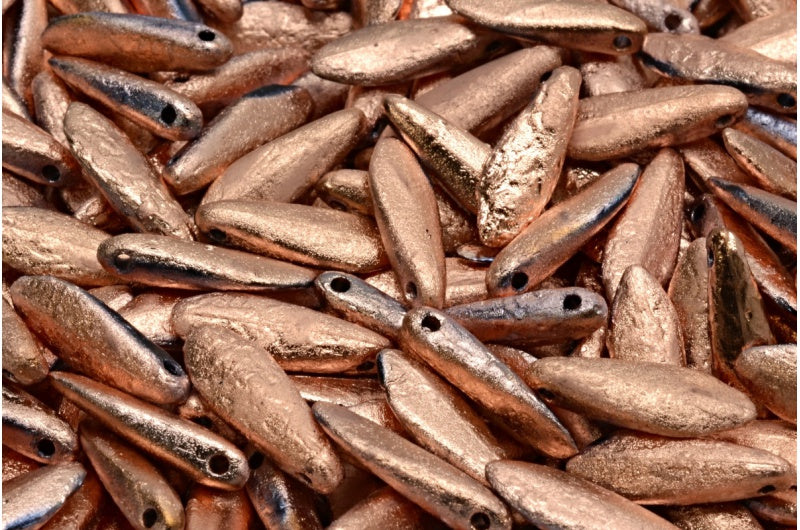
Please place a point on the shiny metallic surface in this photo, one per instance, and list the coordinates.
(316, 237)
(148, 104)
(731, 516)
(773, 36)
(778, 131)
(300, 339)
(451, 350)
(248, 389)
(522, 170)
(138, 43)
(23, 361)
(405, 211)
(201, 454)
(550, 498)
(430, 482)
(559, 233)
(661, 15)
(703, 470)
(96, 341)
(162, 261)
(39, 241)
(773, 171)
(650, 397)
(34, 430)
(385, 509)
(644, 323)
(208, 509)
(770, 375)
(30, 500)
(616, 125)
(648, 231)
(151, 314)
(562, 23)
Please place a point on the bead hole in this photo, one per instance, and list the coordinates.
(786, 101)
(51, 173)
(622, 42)
(519, 280)
(217, 235)
(572, 302)
(149, 517)
(207, 35)
(169, 115)
(340, 285)
(431, 323)
(411, 290)
(256, 460)
(122, 261)
(673, 21)
(172, 367)
(46, 448)
(219, 464)
(766, 489)
(479, 521)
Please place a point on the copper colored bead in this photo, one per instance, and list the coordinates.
(770, 375)
(774, 171)
(30, 500)
(23, 360)
(384, 509)
(210, 509)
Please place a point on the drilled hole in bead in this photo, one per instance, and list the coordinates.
(122, 261)
(169, 115)
(479, 521)
(431, 323)
(340, 285)
(46, 448)
(673, 21)
(203, 421)
(219, 464)
(766, 489)
(216, 235)
(519, 280)
(172, 367)
(572, 302)
(365, 366)
(697, 213)
(411, 290)
(51, 173)
(786, 101)
(622, 42)
(207, 35)
(724, 120)
(149, 517)
(546, 393)
(255, 460)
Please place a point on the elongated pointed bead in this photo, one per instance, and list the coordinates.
(257, 118)
(456, 157)
(487, 95)
(644, 323)
(436, 416)
(209, 508)
(247, 388)
(705, 60)
(13, 104)
(731, 516)
(239, 75)
(385, 54)
(26, 57)
(778, 131)
(770, 375)
(457, 355)
(777, 437)
(122, 174)
(201, 454)
(774, 171)
(550, 498)
(559, 233)
(736, 313)
(681, 402)
(82, 509)
(688, 292)
(385, 509)
(522, 171)
(774, 215)
(750, 10)
(405, 210)
(16, 192)
(316, 237)
(281, 502)
(770, 274)
(146, 103)
(23, 360)
(542, 316)
(285, 168)
(141, 492)
(34, 430)
(780, 508)
(300, 339)
(30, 152)
(648, 231)
(16, 464)
(163, 261)
(138, 43)
(773, 36)
(97, 341)
(617, 125)
(361, 303)
(29, 501)
(441, 489)
(345, 391)
(38, 241)
(603, 28)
